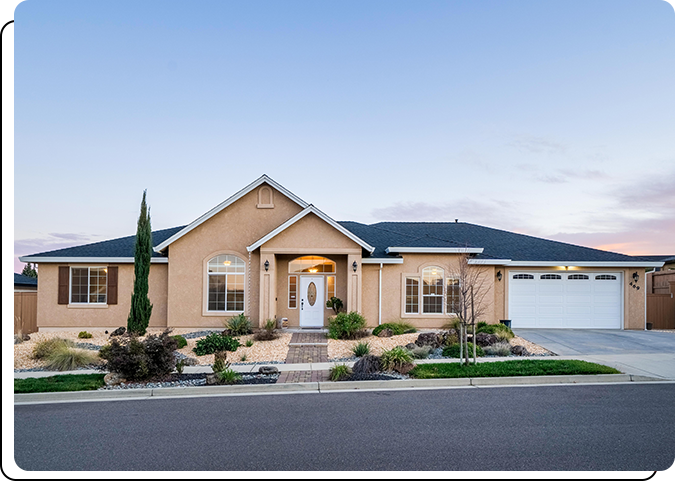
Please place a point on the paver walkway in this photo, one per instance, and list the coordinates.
(307, 347)
(302, 376)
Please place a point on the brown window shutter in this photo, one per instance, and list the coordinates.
(112, 284)
(64, 281)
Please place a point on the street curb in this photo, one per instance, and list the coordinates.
(318, 387)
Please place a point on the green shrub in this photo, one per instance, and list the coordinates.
(498, 349)
(339, 372)
(453, 351)
(394, 359)
(240, 325)
(347, 326)
(500, 330)
(249, 342)
(180, 365)
(181, 342)
(420, 352)
(480, 324)
(361, 349)
(229, 376)
(84, 335)
(397, 328)
(268, 332)
(215, 342)
(243, 358)
(335, 303)
(44, 348)
(67, 359)
(135, 360)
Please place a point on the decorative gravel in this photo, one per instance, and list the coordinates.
(338, 349)
(184, 380)
(377, 376)
(196, 334)
(88, 345)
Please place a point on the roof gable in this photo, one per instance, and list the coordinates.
(227, 202)
(310, 210)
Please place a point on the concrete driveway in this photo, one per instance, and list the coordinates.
(645, 353)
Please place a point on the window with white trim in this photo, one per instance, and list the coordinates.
(330, 288)
(226, 283)
(453, 295)
(88, 285)
(412, 295)
(292, 292)
(432, 290)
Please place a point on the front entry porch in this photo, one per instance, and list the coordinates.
(296, 285)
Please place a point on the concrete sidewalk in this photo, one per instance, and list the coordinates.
(319, 383)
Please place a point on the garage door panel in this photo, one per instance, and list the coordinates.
(541, 300)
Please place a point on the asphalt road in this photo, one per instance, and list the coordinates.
(592, 427)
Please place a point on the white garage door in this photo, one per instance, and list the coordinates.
(565, 299)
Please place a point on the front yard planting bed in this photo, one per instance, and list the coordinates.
(510, 368)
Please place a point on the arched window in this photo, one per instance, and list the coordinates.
(432, 290)
(226, 283)
(311, 264)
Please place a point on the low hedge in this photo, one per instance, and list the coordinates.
(397, 328)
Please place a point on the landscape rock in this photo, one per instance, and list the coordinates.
(212, 379)
(118, 332)
(483, 339)
(268, 370)
(519, 351)
(405, 368)
(190, 361)
(385, 333)
(410, 346)
(429, 339)
(368, 364)
(113, 379)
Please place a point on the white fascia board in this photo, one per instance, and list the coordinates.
(375, 260)
(112, 260)
(435, 250)
(310, 210)
(229, 201)
(489, 262)
(583, 264)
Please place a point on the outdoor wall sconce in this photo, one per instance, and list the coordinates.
(499, 276)
(636, 277)
(267, 266)
(355, 266)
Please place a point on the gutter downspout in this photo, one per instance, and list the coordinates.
(379, 312)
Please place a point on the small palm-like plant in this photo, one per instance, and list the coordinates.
(229, 376)
(249, 342)
(339, 372)
(394, 359)
(239, 325)
(361, 349)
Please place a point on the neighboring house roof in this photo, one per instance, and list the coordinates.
(21, 280)
(121, 249)
(666, 259)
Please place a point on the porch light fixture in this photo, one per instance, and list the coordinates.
(355, 266)
(499, 276)
(636, 277)
(267, 266)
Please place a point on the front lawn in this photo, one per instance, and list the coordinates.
(524, 367)
(62, 382)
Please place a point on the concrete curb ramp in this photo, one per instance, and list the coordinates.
(318, 387)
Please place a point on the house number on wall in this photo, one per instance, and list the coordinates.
(311, 293)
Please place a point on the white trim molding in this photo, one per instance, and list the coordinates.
(310, 209)
(377, 260)
(263, 179)
(435, 250)
(109, 260)
(508, 262)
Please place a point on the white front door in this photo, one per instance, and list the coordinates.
(312, 304)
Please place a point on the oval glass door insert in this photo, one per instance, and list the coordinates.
(311, 293)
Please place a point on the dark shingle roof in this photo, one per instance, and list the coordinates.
(120, 247)
(20, 280)
(498, 244)
(666, 259)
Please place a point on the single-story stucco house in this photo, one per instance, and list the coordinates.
(269, 254)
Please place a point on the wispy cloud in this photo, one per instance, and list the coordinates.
(562, 176)
(52, 242)
(538, 145)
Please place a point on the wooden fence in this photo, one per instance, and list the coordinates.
(661, 299)
(25, 312)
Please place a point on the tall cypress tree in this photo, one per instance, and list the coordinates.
(139, 315)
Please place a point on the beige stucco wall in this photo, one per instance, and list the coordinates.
(228, 232)
(633, 299)
(393, 278)
(50, 314)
